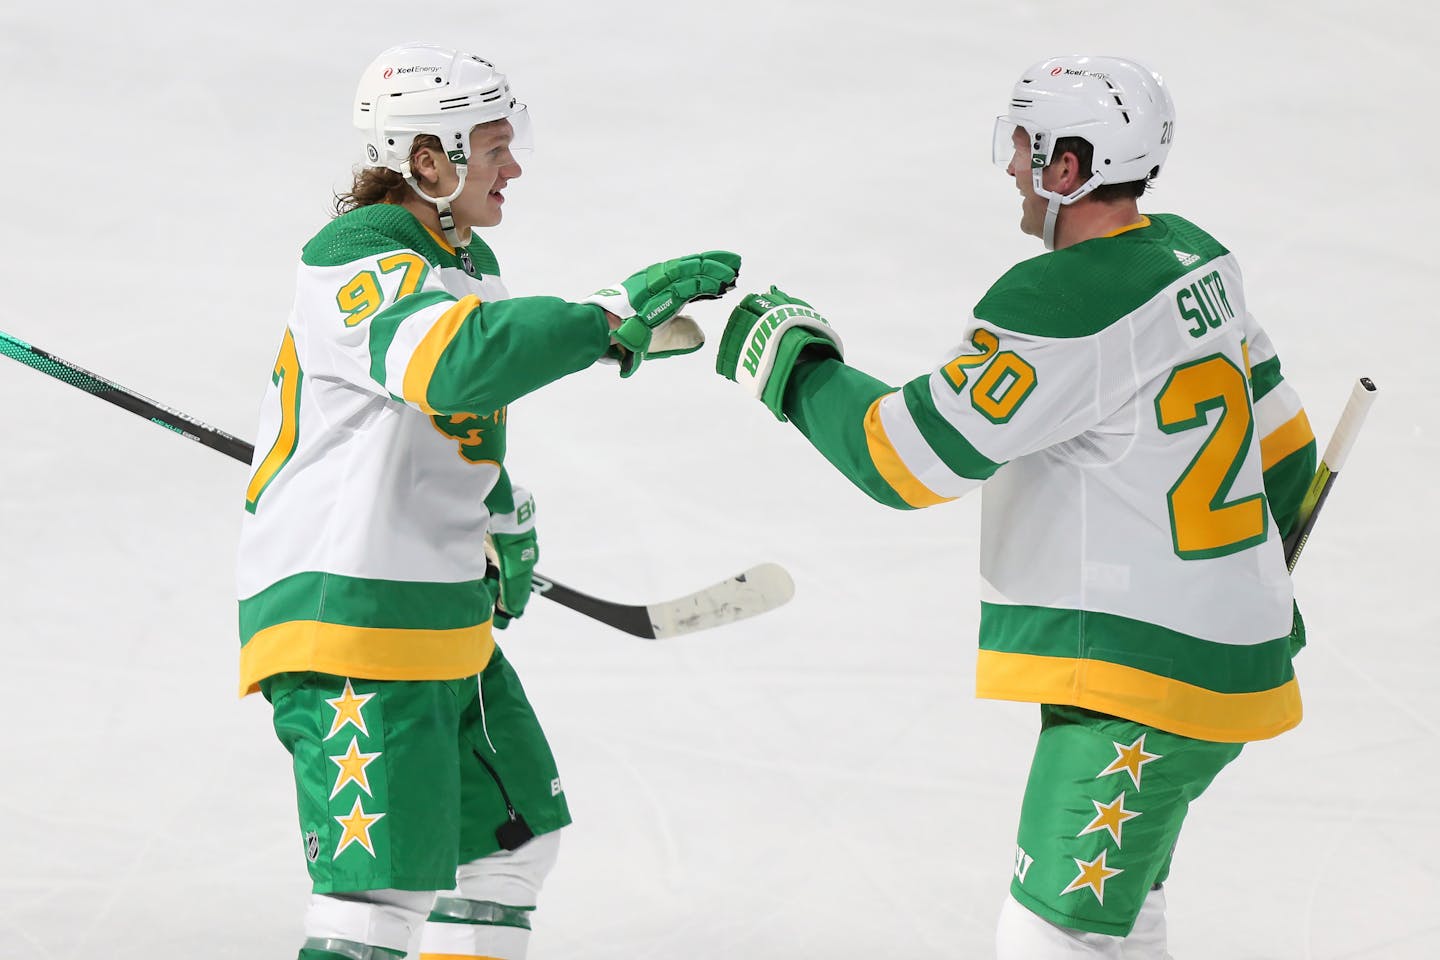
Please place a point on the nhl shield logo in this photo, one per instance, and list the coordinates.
(312, 846)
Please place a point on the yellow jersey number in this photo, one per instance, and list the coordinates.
(287, 377)
(360, 297)
(1005, 383)
(1203, 523)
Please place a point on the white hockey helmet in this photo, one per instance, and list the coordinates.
(1120, 107)
(419, 88)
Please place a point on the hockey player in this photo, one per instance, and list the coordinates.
(1142, 459)
(426, 796)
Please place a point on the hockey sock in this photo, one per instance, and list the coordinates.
(319, 948)
(475, 930)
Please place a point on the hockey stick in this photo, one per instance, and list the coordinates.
(761, 588)
(1351, 419)
(757, 590)
(187, 427)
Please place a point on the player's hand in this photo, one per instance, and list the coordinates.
(511, 546)
(764, 339)
(648, 301)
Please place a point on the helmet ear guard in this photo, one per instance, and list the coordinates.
(1120, 107)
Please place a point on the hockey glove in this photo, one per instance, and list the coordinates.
(648, 301)
(680, 334)
(764, 339)
(511, 546)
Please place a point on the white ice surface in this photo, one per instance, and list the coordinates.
(819, 782)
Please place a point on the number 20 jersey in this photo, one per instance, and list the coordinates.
(1137, 445)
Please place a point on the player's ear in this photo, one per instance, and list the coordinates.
(424, 165)
(1066, 169)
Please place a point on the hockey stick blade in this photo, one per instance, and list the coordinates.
(758, 590)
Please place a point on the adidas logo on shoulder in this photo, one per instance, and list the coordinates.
(1186, 259)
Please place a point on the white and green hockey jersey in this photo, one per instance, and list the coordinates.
(1141, 459)
(379, 462)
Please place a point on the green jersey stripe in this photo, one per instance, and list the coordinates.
(385, 324)
(360, 602)
(1090, 635)
(1264, 377)
(886, 438)
(947, 443)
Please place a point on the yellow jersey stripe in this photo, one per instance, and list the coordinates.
(1285, 439)
(374, 653)
(416, 386)
(439, 239)
(1148, 698)
(1140, 224)
(891, 467)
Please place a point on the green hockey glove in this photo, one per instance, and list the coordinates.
(678, 335)
(764, 339)
(511, 546)
(648, 301)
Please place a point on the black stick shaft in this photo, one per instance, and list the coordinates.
(126, 399)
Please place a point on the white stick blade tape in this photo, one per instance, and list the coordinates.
(757, 590)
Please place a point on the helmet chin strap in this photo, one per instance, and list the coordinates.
(1055, 201)
(442, 204)
(1052, 214)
